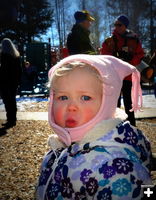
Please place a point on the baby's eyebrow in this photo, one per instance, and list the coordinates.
(60, 91)
(78, 91)
(83, 91)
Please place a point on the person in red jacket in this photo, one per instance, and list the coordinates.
(64, 52)
(124, 44)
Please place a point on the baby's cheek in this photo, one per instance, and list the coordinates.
(58, 115)
(89, 113)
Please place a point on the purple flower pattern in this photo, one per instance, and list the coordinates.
(92, 186)
(122, 165)
(85, 175)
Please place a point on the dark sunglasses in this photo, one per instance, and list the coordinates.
(117, 24)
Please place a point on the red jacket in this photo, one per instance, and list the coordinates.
(64, 52)
(116, 43)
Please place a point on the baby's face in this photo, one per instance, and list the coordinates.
(77, 98)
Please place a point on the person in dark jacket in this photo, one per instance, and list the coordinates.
(78, 41)
(10, 76)
(29, 76)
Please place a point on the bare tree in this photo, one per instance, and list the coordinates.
(60, 21)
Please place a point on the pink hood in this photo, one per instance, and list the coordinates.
(112, 71)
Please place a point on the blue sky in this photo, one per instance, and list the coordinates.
(52, 32)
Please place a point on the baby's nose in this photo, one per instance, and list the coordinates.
(72, 107)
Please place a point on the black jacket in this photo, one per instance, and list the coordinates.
(10, 71)
(78, 41)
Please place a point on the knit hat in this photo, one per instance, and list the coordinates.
(112, 71)
(81, 16)
(123, 19)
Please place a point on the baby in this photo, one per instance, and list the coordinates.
(95, 154)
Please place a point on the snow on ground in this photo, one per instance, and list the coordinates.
(23, 103)
(149, 101)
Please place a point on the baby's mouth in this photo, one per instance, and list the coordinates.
(70, 123)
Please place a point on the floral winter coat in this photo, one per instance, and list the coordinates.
(113, 166)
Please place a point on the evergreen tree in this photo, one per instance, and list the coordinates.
(8, 12)
(34, 18)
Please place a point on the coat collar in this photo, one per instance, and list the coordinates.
(99, 130)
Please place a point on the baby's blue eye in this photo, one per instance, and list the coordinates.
(63, 98)
(85, 98)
